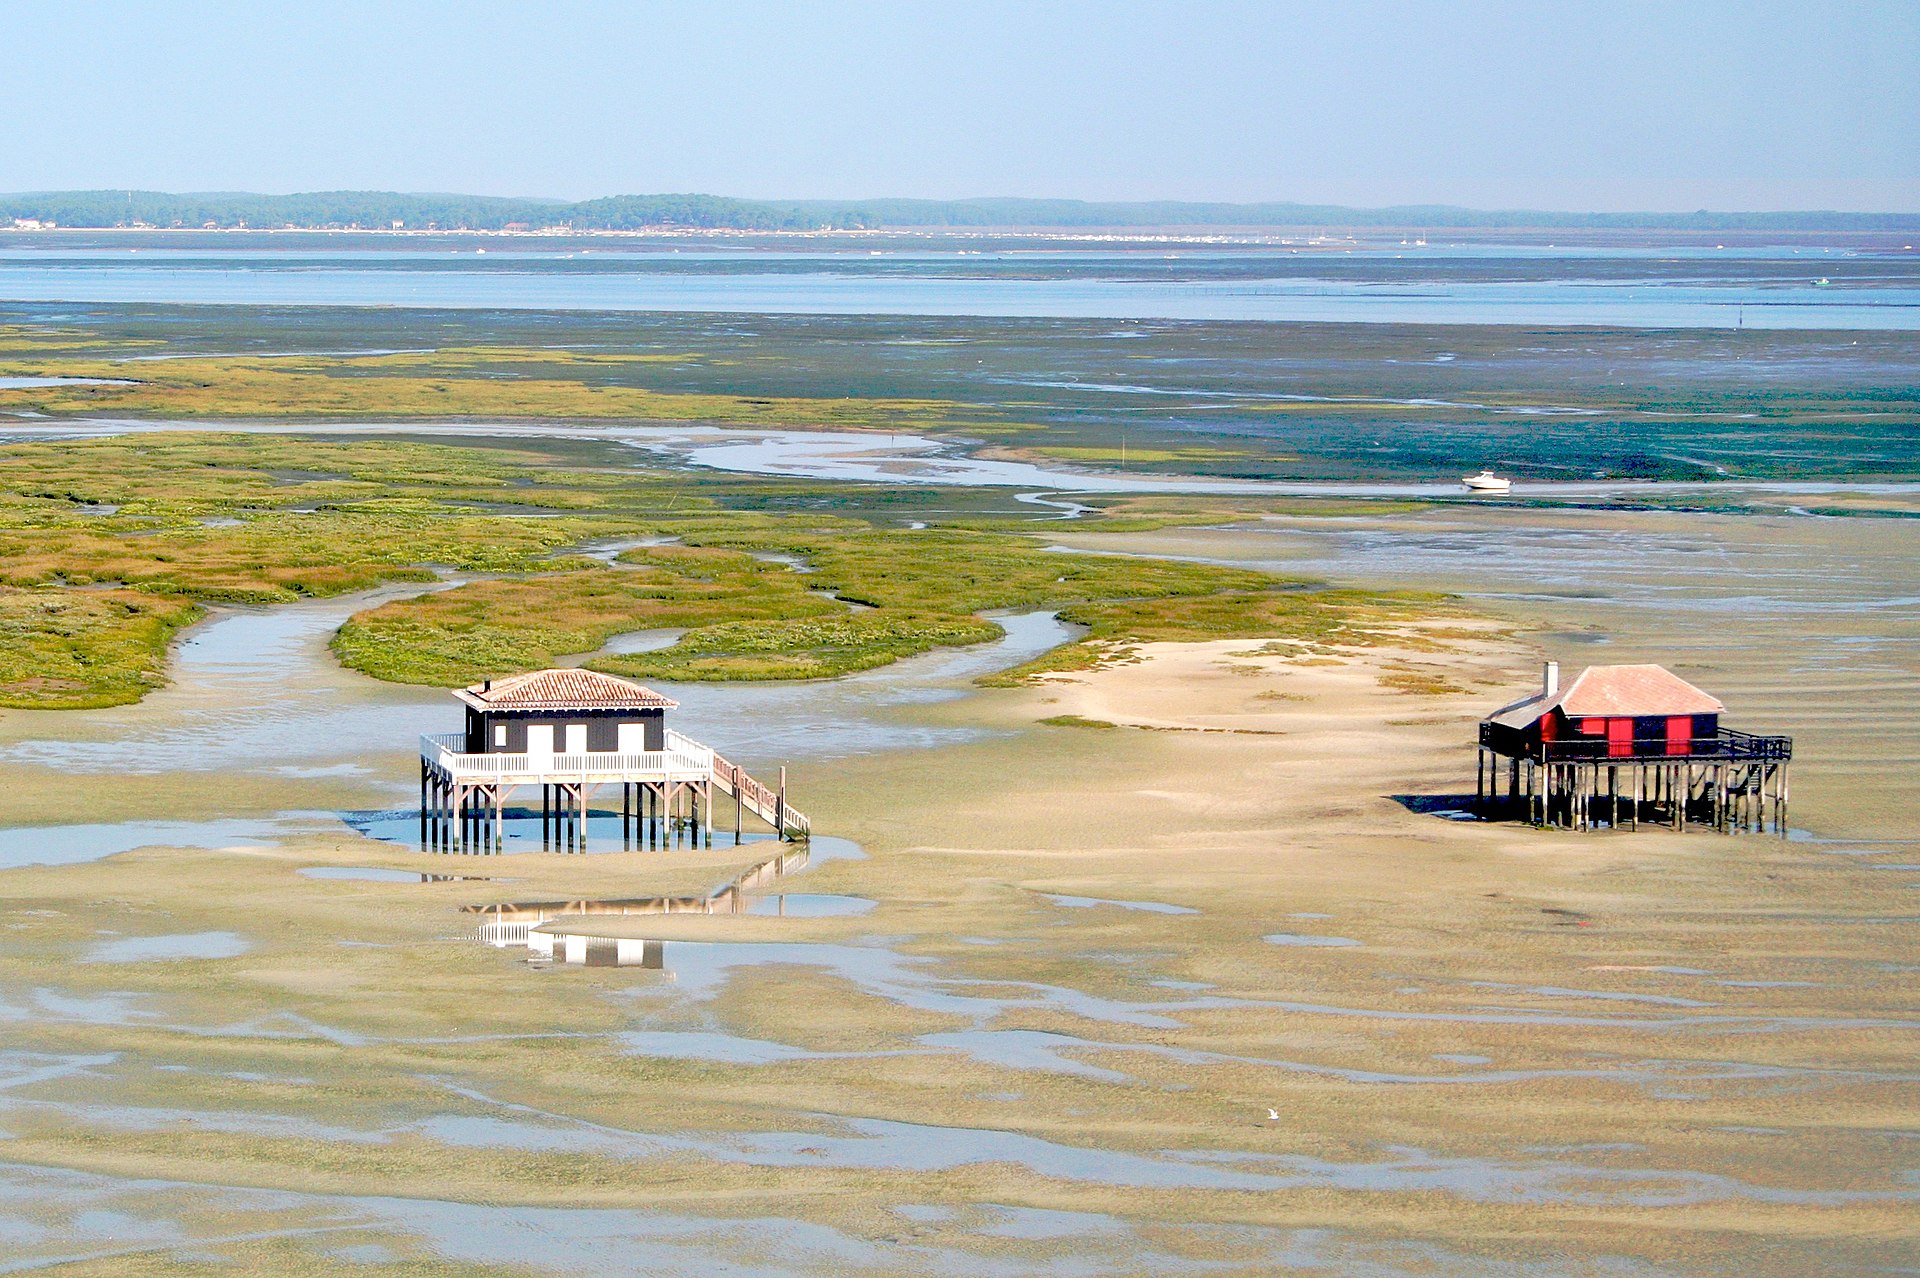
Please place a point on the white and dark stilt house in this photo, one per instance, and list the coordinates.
(1624, 744)
(569, 735)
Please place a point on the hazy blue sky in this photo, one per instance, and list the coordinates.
(1619, 104)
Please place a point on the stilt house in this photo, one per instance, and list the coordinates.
(569, 734)
(1622, 744)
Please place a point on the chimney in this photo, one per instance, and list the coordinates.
(487, 686)
(1550, 678)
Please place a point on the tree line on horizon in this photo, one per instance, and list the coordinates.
(382, 210)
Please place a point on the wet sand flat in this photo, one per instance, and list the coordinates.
(1063, 1039)
(1804, 626)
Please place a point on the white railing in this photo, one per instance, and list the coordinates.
(684, 758)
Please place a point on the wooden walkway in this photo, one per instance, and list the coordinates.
(769, 804)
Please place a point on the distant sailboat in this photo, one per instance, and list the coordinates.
(1487, 482)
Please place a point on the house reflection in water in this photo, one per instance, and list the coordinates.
(597, 951)
(514, 924)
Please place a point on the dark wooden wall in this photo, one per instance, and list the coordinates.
(603, 728)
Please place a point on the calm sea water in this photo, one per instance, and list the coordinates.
(1758, 290)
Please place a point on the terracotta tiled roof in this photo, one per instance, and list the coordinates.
(1610, 691)
(563, 690)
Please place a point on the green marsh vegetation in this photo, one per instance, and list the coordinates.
(182, 521)
(457, 383)
(1306, 401)
(108, 546)
(72, 649)
(749, 619)
(814, 647)
(1304, 619)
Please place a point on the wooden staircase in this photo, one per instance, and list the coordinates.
(765, 802)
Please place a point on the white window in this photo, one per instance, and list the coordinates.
(500, 734)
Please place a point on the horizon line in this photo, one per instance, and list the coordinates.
(1195, 202)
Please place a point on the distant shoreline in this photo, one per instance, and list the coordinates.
(385, 211)
(1327, 239)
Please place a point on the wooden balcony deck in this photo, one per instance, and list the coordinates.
(450, 773)
(1725, 746)
(684, 759)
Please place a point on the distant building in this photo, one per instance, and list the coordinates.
(1620, 744)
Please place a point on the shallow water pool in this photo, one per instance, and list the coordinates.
(181, 945)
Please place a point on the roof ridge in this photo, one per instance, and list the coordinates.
(562, 687)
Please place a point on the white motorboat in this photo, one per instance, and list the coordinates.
(1487, 482)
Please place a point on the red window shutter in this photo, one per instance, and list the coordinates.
(1680, 734)
(1619, 738)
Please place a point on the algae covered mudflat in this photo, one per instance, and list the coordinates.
(1251, 400)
